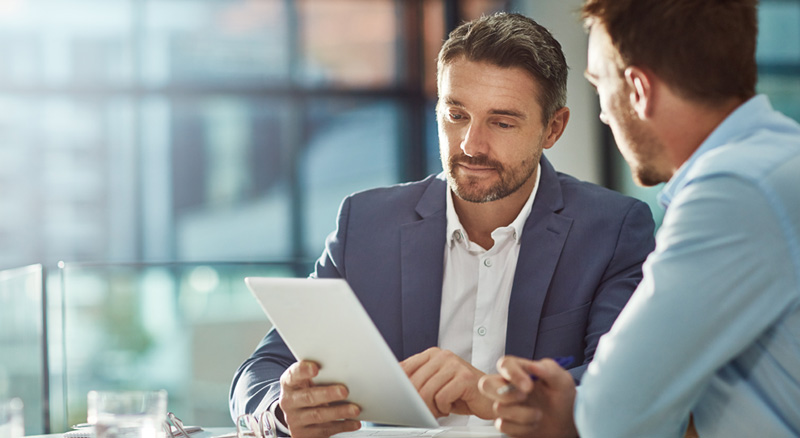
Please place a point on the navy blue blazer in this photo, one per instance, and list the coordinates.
(580, 260)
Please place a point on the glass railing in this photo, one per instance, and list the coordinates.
(183, 327)
(23, 356)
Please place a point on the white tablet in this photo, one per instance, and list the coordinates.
(322, 320)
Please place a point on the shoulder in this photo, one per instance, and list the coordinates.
(759, 157)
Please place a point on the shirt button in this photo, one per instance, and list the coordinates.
(458, 236)
(487, 263)
(482, 331)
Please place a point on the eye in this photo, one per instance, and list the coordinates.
(504, 125)
(455, 116)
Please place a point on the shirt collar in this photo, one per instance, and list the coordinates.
(736, 125)
(456, 232)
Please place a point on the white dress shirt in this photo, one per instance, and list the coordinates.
(475, 293)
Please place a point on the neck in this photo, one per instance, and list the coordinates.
(691, 124)
(480, 219)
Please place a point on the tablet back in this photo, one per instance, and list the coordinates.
(323, 321)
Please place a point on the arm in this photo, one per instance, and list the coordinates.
(710, 289)
(624, 272)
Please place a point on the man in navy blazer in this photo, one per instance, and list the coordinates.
(571, 251)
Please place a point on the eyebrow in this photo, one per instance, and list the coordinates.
(590, 76)
(499, 112)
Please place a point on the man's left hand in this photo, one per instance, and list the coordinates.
(447, 383)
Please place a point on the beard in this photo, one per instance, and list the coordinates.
(474, 189)
(640, 147)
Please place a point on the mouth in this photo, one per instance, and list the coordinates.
(475, 168)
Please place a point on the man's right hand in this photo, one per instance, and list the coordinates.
(314, 411)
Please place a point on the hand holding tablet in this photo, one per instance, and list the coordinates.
(321, 320)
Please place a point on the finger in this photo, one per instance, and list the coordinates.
(299, 374)
(490, 386)
(325, 430)
(326, 414)
(424, 371)
(426, 390)
(516, 371)
(515, 429)
(550, 373)
(412, 364)
(445, 390)
(518, 413)
(294, 399)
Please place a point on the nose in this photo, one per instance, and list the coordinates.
(474, 142)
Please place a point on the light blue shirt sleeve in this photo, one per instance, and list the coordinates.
(720, 277)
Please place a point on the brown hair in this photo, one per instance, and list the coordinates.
(512, 40)
(704, 49)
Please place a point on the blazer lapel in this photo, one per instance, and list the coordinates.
(542, 241)
(422, 269)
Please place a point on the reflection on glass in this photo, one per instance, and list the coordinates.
(349, 42)
(22, 357)
(351, 147)
(181, 327)
(221, 42)
(779, 33)
(229, 177)
(783, 92)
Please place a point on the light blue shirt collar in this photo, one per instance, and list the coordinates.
(739, 123)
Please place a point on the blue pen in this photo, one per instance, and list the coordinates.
(563, 362)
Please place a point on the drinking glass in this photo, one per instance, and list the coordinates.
(12, 423)
(128, 414)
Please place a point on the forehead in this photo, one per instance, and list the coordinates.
(482, 85)
(602, 56)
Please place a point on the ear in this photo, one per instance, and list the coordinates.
(641, 85)
(555, 127)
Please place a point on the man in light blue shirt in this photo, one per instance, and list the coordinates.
(712, 333)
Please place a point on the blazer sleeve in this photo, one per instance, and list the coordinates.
(635, 242)
(256, 384)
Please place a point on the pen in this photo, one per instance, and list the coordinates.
(563, 362)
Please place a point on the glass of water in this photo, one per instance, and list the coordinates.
(12, 424)
(127, 414)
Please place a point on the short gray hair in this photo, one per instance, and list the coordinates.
(512, 40)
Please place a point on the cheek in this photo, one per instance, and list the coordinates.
(449, 138)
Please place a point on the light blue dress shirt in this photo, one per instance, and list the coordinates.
(714, 326)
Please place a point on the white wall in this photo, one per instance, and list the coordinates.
(578, 152)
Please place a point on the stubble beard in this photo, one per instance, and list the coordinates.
(510, 180)
(643, 147)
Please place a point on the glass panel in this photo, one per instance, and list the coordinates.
(70, 163)
(783, 92)
(80, 42)
(351, 147)
(779, 32)
(231, 42)
(182, 327)
(229, 177)
(349, 43)
(23, 372)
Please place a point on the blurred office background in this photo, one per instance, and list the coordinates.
(164, 149)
